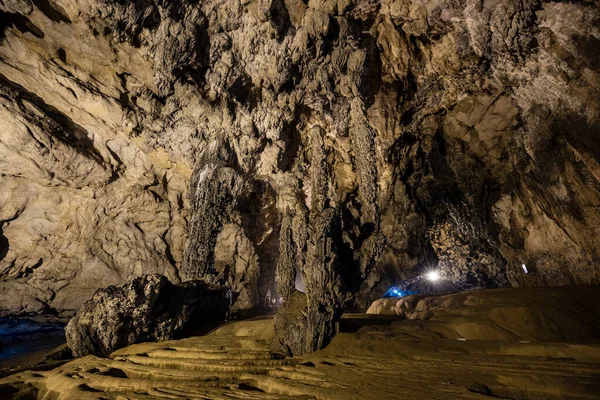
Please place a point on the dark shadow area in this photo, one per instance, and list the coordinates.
(261, 224)
(280, 18)
(294, 77)
(64, 129)
(86, 388)
(245, 92)
(115, 373)
(293, 141)
(352, 322)
(29, 269)
(197, 69)
(350, 235)
(370, 83)
(20, 22)
(579, 133)
(168, 252)
(248, 387)
(23, 392)
(62, 55)
(52, 11)
(330, 39)
(589, 47)
(4, 245)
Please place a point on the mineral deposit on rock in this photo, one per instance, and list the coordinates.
(346, 144)
(149, 308)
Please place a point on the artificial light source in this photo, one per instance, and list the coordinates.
(394, 292)
(433, 276)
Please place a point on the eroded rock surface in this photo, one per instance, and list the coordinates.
(494, 357)
(149, 308)
(349, 143)
(401, 306)
(511, 314)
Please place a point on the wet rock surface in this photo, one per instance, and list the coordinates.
(149, 308)
(28, 339)
(250, 144)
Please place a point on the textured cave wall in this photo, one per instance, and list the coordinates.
(351, 142)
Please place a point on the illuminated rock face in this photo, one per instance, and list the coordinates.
(353, 142)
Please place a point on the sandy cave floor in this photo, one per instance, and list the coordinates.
(378, 357)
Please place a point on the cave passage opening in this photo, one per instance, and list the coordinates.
(4, 244)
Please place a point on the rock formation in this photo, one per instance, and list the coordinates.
(460, 346)
(552, 314)
(344, 143)
(149, 308)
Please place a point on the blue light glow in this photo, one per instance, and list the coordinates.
(394, 292)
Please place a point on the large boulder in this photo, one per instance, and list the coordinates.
(148, 308)
(401, 306)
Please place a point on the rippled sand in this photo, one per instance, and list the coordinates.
(386, 358)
